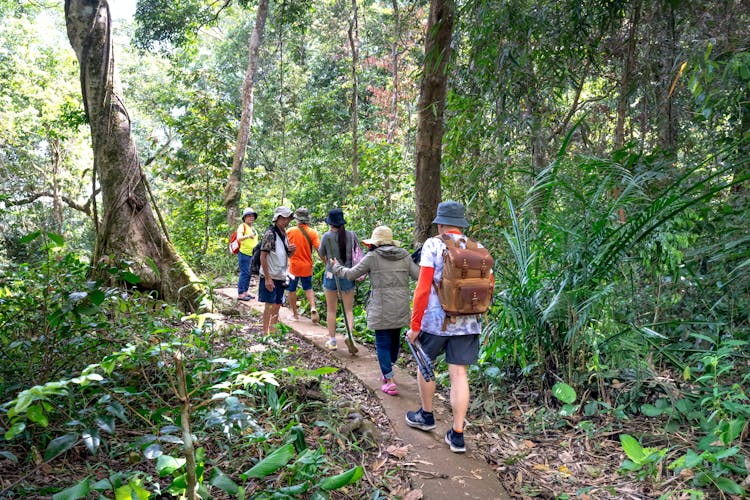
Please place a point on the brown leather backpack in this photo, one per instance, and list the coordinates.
(465, 288)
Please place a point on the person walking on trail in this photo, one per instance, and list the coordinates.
(337, 243)
(248, 238)
(389, 268)
(305, 238)
(458, 339)
(274, 265)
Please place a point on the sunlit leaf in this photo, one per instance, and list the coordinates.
(564, 392)
(345, 478)
(167, 464)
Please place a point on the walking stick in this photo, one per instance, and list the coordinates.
(423, 360)
(349, 341)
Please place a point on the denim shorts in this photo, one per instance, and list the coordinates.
(458, 349)
(304, 281)
(274, 297)
(345, 285)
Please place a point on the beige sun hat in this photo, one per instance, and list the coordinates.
(382, 235)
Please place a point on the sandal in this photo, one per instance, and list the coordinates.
(389, 388)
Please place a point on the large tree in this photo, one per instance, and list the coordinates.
(430, 120)
(234, 183)
(128, 229)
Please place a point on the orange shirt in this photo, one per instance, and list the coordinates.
(300, 264)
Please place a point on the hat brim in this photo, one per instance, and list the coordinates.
(378, 243)
(451, 221)
(332, 222)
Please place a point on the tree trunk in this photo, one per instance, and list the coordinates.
(354, 44)
(129, 230)
(234, 183)
(430, 119)
(627, 77)
(666, 53)
(393, 119)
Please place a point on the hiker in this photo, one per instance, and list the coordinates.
(274, 265)
(305, 238)
(337, 243)
(389, 268)
(248, 238)
(457, 338)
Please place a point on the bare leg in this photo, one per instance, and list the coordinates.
(311, 298)
(274, 316)
(331, 306)
(426, 391)
(267, 317)
(292, 298)
(348, 298)
(459, 395)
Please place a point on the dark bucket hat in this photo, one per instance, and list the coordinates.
(451, 213)
(335, 218)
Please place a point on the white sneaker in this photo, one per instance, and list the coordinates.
(331, 344)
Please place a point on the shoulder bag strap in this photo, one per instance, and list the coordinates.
(302, 229)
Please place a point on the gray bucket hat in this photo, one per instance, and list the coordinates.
(281, 211)
(451, 213)
(249, 211)
(302, 214)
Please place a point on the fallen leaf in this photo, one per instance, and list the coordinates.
(541, 467)
(398, 451)
(528, 444)
(380, 463)
(414, 495)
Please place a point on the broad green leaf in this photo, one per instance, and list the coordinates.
(106, 423)
(273, 462)
(650, 410)
(223, 482)
(296, 490)
(568, 410)
(153, 451)
(91, 439)
(345, 478)
(179, 485)
(80, 490)
(167, 464)
(56, 239)
(30, 237)
(9, 456)
(130, 277)
(132, 491)
(632, 448)
(728, 486)
(15, 430)
(564, 392)
(36, 415)
(60, 445)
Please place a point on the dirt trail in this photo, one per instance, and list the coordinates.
(447, 474)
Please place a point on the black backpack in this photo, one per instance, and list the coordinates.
(255, 261)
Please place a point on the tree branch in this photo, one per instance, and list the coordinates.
(85, 208)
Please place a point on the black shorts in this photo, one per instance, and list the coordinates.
(458, 349)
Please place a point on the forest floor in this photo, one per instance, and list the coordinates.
(532, 451)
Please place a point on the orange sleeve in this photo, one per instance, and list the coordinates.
(421, 296)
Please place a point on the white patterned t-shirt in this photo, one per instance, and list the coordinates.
(434, 316)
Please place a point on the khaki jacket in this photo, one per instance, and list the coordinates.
(389, 268)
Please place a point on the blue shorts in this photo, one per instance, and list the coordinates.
(458, 349)
(274, 297)
(345, 285)
(304, 281)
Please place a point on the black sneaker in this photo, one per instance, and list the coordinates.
(420, 419)
(456, 441)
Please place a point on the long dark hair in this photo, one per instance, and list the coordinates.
(342, 244)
